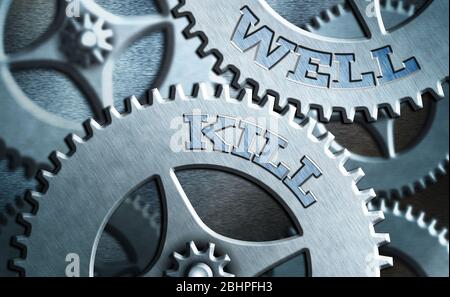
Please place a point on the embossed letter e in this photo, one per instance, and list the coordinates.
(262, 38)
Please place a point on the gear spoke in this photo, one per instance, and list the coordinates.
(368, 12)
(45, 52)
(128, 29)
(383, 132)
(255, 258)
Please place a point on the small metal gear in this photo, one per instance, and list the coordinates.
(197, 263)
(23, 122)
(85, 41)
(277, 58)
(414, 240)
(338, 217)
(427, 157)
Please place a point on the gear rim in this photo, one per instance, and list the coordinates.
(432, 141)
(245, 73)
(336, 162)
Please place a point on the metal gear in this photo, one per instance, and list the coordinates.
(86, 41)
(417, 242)
(338, 217)
(427, 157)
(129, 235)
(383, 70)
(199, 263)
(22, 121)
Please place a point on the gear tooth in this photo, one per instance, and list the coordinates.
(204, 92)
(270, 103)
(113, 112)
(367, 195)
(311, 127)
(179, 93)
(178, 257)
(432, 227)
(371, 206)
(75, 140)
(28, 217)
(225, 259)
(21, 240)
(308, 27)
(385, 261)
(47, 174)
(417, 100)
(192, 248)
(357, 174)
(94, 125)
(441, 168)
(396, 209)
(372, 113)
(36, 195)
(225, 94)
(342, 157)
(62, 157)
(19, 263)
(412, 10)
(421, 184)
(432, 176)
(248, 97)
(327, 112)
(134, 103)
(382, 239)
(226, 274)
(211, 249)
(327, 140)
(421, 220)
(396, 109)
(291, 112)
(409, 213)
(440, 90)
(376, 216)
(350, 115)
(442, 236)
(383, 206)
(340, 8)
(156, 95)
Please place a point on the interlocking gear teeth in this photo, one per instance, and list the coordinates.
(93, 127)
(412, 95)
(419, 240)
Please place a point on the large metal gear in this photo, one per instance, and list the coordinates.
(23, 122)
(128, 234)
(328, 209)
(382, 70)
(412, 168)
(417, 242)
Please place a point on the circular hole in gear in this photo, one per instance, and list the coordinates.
(26, 22)
(54, 92)
(130, 8)
(301, 12)
(409, 128)
(135, 229)
(401, 268)
(234, 206)
(138, 67)
(364, 144)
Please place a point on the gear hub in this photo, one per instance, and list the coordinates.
(86, 42)
(199, 263)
